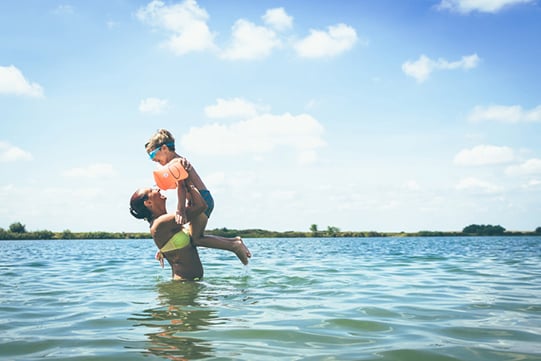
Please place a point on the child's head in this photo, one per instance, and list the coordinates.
(157, 142)
(161, 137)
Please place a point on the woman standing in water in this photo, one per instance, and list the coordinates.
(173, 239)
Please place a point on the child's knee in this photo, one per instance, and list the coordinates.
(196, 240)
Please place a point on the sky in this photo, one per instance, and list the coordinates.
(376, 115)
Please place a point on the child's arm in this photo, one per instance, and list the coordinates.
(180, 216)
(197, 204)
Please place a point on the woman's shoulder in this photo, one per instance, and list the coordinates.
(163, 221)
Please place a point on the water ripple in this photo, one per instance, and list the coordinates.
(300, 299)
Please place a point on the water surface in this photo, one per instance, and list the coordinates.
(299, 299)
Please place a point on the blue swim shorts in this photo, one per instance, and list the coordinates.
(209, 200)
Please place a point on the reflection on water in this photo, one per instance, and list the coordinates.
(180, 314)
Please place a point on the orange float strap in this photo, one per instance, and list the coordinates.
(167, 176)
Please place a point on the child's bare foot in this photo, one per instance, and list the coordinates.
(242, 252)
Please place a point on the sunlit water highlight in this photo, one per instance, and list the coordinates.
(300, 299)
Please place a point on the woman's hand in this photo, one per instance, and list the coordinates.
(186, 164)
(180, 217)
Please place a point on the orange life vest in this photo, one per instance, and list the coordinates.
(167, 176)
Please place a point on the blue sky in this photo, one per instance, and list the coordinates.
(363, 115)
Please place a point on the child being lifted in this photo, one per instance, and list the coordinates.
(173, 171)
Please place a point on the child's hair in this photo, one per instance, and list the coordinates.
(161, 137)
(138, 208)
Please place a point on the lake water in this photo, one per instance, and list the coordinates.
(299, 299)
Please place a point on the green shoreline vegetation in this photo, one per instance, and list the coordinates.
(17, 231)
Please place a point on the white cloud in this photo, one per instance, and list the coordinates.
(64, 10)
(10, 153)
(485, 6)
(484, 155)
(12, 81)
(91, 171)
(230, 108)
(420, 69)
(412, 185)
(153, 105)
(250, 41)
(336, 40)
(505, 114)
(476, 185)
(529, 167)
(467, 62)
(533, 183)
(186, 27)
(186, 23)
(424, 66)
(278, 19)
(112, 24)
(261, 134)
(308, 156)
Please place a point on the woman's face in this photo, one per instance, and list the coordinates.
(152, 195)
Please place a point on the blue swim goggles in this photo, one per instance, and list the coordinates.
(152, 154)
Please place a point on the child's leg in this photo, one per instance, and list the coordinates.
(235, 245)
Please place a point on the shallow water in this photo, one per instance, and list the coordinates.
(300, 299)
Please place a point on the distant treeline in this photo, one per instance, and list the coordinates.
(17, 231)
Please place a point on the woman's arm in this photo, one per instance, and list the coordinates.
(181, 203)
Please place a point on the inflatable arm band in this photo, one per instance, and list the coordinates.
(167, 176)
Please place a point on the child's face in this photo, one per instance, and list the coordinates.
(158, 155)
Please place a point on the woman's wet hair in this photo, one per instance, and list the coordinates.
(138, 208)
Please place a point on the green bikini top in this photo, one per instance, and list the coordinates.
(180, 240)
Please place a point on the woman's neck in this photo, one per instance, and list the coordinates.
(155, 216)
(157, 210)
